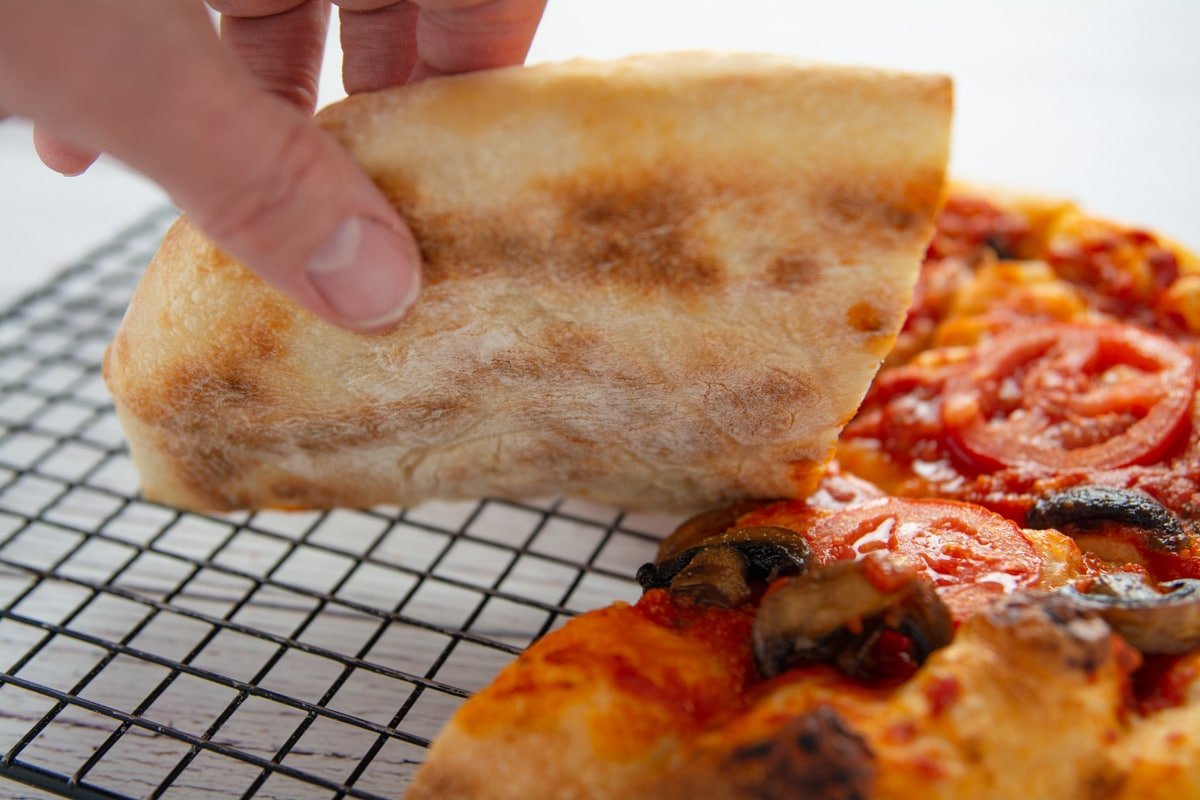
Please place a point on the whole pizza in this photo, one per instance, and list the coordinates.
(993, 593)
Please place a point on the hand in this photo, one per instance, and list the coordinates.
(149, 82)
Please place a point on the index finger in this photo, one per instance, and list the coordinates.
(379, 43)
(456, 36)
(280, 42)
(414, 40)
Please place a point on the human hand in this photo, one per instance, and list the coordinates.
(225, 126)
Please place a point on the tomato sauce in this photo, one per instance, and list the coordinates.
(942, 693)
(968, 225)
(723, 631)
(1124, 274)
(726, 632)
(967, 229)
(1163, 682)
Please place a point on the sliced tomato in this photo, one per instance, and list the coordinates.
(1070, 396)
(969, 553)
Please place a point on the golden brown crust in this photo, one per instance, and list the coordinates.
(960, 728)
(661, 282)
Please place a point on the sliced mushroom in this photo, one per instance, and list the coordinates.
(1162, 618)
(716, 576)
(1084, 504)
(695, 530)
(721, 570)
(837, 613)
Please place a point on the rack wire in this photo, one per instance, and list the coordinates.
(148, 653)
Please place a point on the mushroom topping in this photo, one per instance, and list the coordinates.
(716, 576)
(1084, 504)
(839, 612)
(720, 571)
(695, 530)
(1154, 619)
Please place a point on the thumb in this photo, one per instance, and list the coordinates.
(280, 195)
(254, 173)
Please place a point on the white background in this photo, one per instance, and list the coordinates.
(1095, 99)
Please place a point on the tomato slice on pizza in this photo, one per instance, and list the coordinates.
(967, 552)
(1070, 396)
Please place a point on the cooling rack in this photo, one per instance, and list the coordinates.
(146, 652)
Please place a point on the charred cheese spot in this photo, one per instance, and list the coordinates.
(817, 755)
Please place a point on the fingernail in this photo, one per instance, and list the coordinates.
(369, 274)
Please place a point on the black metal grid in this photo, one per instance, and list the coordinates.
(146, 652)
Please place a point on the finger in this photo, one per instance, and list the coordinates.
(454, 36)
(379, 46)
(287, 200)
(62, 156)
(281, 42)
(251, 170)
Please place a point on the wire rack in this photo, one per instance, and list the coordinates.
(146, 652)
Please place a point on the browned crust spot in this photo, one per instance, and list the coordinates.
(860, 207)
(865, 317)
(816, 756)
(641, 231)
(228, 372)
(794, 270)
(1067, 636)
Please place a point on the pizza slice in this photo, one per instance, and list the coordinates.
(995, 593)
(644, 284)
(918, 649)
